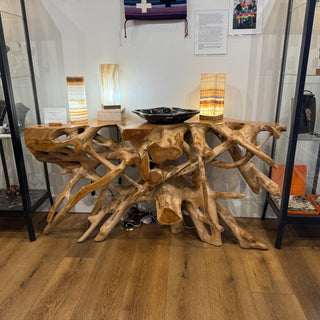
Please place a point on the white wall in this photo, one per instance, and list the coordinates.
(157, 64)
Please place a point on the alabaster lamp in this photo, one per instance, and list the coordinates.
(77, 99)
(110, 86)
(111, 109)
(212, 96)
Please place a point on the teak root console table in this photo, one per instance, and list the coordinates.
(167, 178)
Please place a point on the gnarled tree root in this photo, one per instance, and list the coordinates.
(172, 163)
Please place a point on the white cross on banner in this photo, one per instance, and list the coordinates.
(144, 6)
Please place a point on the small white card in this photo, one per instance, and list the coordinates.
(58, 115)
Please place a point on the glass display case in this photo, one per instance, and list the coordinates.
(24, 183)
(297, 151)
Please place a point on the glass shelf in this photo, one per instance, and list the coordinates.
(5, 136)
(14, 202)
(11, 14)
(307, 137)
(307, 75)
(19, 77)
(12, 7)
(298, 4)
(303, 137)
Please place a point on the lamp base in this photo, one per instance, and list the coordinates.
(211, 118)
(111, 107)
(110, 114)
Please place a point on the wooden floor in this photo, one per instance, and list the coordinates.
(152, 274)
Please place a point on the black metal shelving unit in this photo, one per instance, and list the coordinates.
(293, 82)
(18, 89)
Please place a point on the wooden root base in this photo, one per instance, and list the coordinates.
(173, 185)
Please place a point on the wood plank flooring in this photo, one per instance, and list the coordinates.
(152, 274)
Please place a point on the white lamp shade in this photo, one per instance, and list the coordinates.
(110, 85)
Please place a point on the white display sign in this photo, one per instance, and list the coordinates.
(55, 115)
(211, 30)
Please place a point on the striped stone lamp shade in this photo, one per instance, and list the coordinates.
(77, 99)
(212, 96)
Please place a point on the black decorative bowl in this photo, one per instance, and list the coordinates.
(164, 115)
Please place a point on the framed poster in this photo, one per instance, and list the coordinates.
(245, 16)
